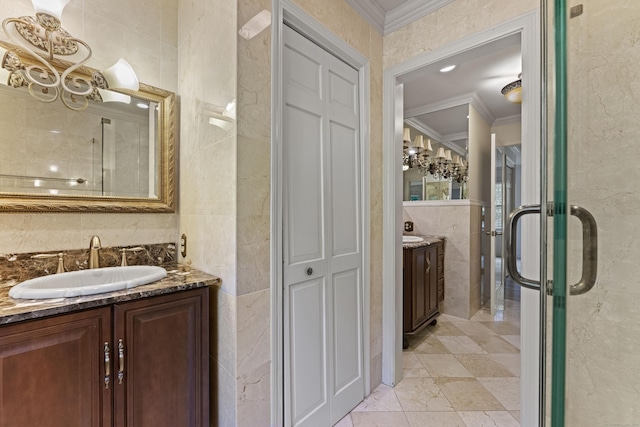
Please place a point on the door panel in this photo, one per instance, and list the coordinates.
(346, 324)
(596, 145)
(304, 163)
(308, 349)
(344, 189)
(323, 357)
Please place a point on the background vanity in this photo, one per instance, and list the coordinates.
(423, 283)
(459, 222)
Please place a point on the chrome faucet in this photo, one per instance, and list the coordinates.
(94, 252)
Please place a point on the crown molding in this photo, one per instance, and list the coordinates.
(410, 11)
(388, 22)
(509, 120)
(418, 125)
(482, 109)
(440, 105)
(371, 11)
(456, 136)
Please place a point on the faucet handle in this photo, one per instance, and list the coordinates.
(124, 251)
(60, 256)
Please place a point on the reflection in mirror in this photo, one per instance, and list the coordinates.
(109, 149)
(109, 157)
(431, 171)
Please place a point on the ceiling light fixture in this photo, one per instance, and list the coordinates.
(45, 73)
(513, 91)
(447, 68)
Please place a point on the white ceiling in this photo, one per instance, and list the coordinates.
(386, 16)
(438, 103)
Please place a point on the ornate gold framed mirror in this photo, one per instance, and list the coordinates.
(109, 157)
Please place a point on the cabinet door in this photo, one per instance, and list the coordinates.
(424, 280)
(431, 280)
(441, 272)
(161, 361)
(419, 291)
(52, 371)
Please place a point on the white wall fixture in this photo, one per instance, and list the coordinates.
(256, 25)
(48, 61)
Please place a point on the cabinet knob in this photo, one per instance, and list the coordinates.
(309, 271)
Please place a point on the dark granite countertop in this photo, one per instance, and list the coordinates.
(428, 241)
(179, 278)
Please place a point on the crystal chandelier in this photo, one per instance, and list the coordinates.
(417, 154)
(45, 73)
(442, 166)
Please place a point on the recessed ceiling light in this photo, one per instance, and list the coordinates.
(447, 68)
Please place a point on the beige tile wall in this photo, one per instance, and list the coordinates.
(603, 368)
(228, 219)
(454, 21)
(207, 79)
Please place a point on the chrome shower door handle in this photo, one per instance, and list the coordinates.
(512, 229)
(589, 247)
(589, 251)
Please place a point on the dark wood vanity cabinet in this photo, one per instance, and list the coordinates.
(140, 363)
(52, 371)
(166, 361)
(423, 285)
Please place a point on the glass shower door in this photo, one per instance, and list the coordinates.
(593, 107)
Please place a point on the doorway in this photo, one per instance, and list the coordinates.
(323, 307)
(352, 377)
(528, 27)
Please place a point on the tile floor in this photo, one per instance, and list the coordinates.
(457, 373)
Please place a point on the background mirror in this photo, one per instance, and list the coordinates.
(423, 176)
(109, 149)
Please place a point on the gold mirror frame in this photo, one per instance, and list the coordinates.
(165, 203)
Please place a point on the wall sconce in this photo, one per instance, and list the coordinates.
(46, 43)
(222, 117)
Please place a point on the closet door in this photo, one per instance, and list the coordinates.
(324, 376)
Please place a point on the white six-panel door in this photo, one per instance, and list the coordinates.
(323, 291)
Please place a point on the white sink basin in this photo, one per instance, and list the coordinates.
(87, 282)
(412, 239)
